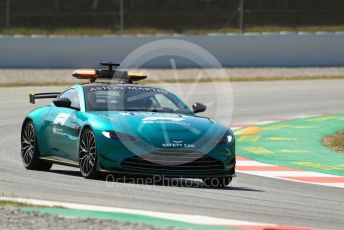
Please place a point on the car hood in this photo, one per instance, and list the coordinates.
(165, 130)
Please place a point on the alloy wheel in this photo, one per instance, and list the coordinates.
(28, 144)
(87, 153)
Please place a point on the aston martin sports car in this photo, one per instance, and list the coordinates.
(113, 125)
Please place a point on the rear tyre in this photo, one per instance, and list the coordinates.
(88, 155)
(30, 151)
(217, 182)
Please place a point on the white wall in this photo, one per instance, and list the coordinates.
(249, 50)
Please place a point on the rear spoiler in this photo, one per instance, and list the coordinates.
(33, 97)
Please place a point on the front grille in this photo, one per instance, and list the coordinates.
(170, 162)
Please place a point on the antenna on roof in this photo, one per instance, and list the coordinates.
(109, 65)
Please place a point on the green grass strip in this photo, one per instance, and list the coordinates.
(296, 143)
(123, 217)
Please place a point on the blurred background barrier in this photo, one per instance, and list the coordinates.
(235, 50)
(239, 33)
(168, 16)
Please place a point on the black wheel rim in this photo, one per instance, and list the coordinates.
(28, 144)
(87, 153)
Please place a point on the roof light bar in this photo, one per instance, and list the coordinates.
(110, 74)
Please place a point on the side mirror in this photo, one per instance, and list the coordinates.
(198, 107)
(62, 102)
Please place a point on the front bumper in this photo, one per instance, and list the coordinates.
(115, 157)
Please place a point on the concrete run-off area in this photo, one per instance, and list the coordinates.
(17, 77)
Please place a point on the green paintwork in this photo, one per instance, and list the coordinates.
(60, 137)
(296, 144)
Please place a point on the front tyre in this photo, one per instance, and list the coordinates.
(30, 151)
(88, 154)
(217, 182)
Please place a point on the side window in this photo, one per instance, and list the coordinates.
(73, 96)
(165, 102)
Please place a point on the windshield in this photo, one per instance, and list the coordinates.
(132, 98)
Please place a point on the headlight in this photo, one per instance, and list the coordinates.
(227, 138)
(118, 136)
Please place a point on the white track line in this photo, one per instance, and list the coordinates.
(283, 173)
(250, 163)
(338, 185)
(287, 174)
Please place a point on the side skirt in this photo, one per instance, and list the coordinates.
(60, 161)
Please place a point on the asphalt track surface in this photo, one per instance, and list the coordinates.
(251, 198)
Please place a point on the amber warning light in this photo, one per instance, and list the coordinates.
(84, 73)
(112, 73)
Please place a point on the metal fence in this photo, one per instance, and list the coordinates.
(171, 15)
(23, 13)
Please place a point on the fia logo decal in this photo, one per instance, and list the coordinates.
(61, 118)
